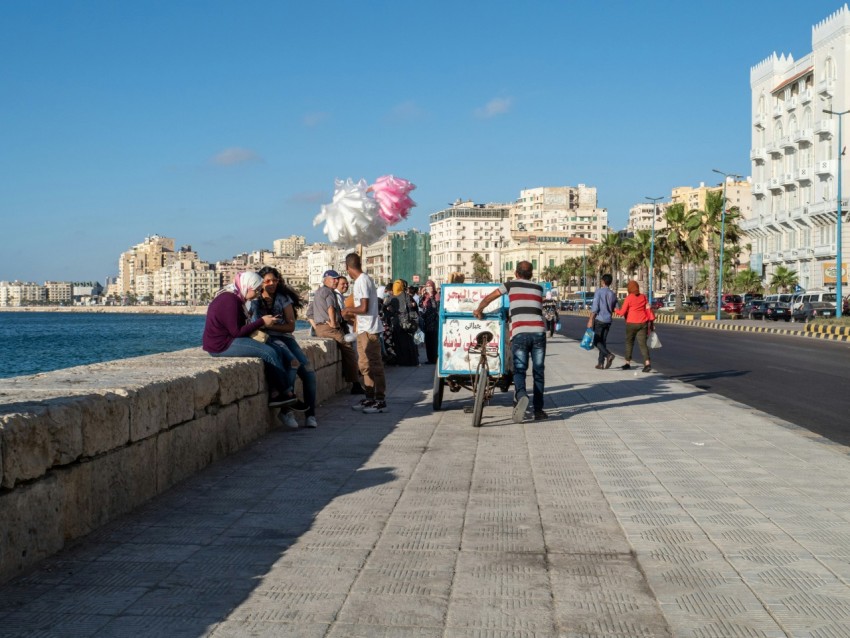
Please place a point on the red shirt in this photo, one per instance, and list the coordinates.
(636, 309)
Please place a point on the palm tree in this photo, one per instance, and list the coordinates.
(748, 281)
(712, 221)
(682, 234)
(784, 278)
(608, 254)
(637, 256)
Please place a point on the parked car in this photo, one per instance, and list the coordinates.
(657, 303)
(776, 310)
(733, 304)
(811, 309)
(754, 309)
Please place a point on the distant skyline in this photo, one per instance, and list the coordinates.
(224, 124)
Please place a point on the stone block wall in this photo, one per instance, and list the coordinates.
(82, 446)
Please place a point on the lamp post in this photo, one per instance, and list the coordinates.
(654, 201)
(726, 177)
(839, 270)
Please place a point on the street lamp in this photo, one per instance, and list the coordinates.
(726, 176)
(839, 267)
(654, 201)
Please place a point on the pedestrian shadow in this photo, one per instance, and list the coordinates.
(185, 561)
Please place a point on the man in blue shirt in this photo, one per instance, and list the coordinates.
(604, 302)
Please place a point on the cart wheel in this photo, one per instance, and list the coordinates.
(480, 392)
(437, 392)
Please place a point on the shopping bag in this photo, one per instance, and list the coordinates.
(653, 341)
(587, 339)
(558, 326)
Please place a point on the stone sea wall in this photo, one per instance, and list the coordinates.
(82, 446)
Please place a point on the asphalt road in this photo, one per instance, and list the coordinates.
(802, 380)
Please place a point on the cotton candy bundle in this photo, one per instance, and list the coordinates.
(391, 193)
(351, 218)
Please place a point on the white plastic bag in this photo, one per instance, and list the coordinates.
(653, 341)
(419, 337)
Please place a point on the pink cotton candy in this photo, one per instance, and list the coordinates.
(391, 194)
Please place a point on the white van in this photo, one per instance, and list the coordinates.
(813, 295)
(784, 298)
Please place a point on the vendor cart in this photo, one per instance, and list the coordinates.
(472, 352)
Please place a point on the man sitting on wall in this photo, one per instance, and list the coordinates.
(326, 315)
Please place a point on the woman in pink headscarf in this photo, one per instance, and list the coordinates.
(227, 333)
(429, 312)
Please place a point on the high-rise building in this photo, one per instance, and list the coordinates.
(143, 259)
(463, 229)
(291, 246)
(560, 209)
(794, 157)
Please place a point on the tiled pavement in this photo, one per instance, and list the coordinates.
(642, 507)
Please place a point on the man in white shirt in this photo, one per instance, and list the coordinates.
(369, 328)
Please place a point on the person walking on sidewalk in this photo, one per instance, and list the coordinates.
(639, 322)
(328, 320)
(604, 303)
(367, 311)
(528, 337)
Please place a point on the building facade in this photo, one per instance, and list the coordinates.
(569, 210)
(22, 293)
(640, 217)
(463, 229)
(794, 156)
(410, 254)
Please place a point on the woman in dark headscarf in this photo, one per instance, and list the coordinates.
(429, 310)
(403, 323)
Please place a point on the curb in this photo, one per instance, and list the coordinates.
(826, 333)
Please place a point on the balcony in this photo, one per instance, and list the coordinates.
(782, 216)
(806, 96)
(825, 167)
(791, 104)
(749, 224)
(824, 127)
(789, 255)
(759, 120)
(788, 179)
(805, 253)
(758, 155)
(773, 148)
(759, 189)
(777, 110)
(826, 87)
(803, 136)
(775, 183)
(825, 250)
(803, 175)
(787, 142)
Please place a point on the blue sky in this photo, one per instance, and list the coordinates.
(224, 124)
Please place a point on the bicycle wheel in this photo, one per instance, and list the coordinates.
(480, 392)
(437, 391)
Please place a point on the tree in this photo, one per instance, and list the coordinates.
(638, 250)
(608, 255)
(683, 230)
(712, 223)
(748, 281)
(783, 278)
(480, 270)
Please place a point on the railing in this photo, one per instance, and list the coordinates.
(791, 104)
(777, 110)
(825, 167)
(825, 250)
(804, 174)
(824, 127)
(774, 183)
(758, 188)
(806, 96)
(826, 87)
(758, 154)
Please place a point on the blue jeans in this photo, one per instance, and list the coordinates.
(523, 345)
(289, 349)
(276, 375)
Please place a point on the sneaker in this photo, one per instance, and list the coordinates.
(647, 368)
(299, 406)
(288, 420)
(625, 367)
(540, 415)
(520, 408)
(363, 403)
(311, 422)
(609, 360)
(356, 388)
(377, 406)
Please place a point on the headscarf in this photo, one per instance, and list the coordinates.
(433, 294)
(242, 283)
(398, 287)
(633, 287)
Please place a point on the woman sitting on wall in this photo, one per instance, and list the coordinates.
(227, 333)
(281, 301)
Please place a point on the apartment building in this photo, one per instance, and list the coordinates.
(640, 217)
(795, 157)
(186, 279)
(143, 259)
(291, 246)
(465, 228)
(59, 292)
(22, 293)
(572, 211)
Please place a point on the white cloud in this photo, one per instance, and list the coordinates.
(314, 119)
(233, 156)
(496, 106)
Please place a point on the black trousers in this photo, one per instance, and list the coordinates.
(600, 338)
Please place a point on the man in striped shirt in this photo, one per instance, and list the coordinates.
(528, 337)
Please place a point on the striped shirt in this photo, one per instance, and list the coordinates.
(526, 306)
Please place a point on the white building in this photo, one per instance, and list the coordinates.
(794, 157)
(463, 229)
(640, 217)
(22, 293)
(560, 209)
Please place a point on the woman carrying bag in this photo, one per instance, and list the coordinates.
(640, 321)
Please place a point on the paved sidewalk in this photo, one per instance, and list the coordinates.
(643, 507)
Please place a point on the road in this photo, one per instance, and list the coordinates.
(802, 380)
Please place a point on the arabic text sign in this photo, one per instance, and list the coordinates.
(458, 334)
(457, 298)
